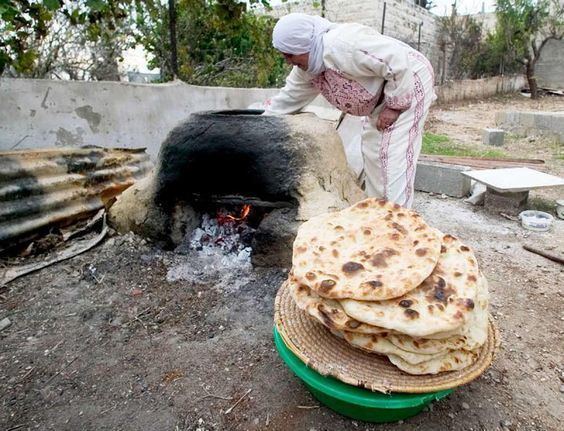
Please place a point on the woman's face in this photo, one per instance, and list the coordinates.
(300, 60)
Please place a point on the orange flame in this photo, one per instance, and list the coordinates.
(242, 216)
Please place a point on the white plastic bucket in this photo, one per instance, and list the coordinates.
(538, 221)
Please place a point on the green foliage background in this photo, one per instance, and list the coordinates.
(219, 42)
(25, 25)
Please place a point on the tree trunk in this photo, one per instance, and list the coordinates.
(172, 30)
(530, 72)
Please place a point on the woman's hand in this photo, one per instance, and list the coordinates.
(386, 118)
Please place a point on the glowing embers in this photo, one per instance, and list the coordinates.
(227, 233)
(223, 218)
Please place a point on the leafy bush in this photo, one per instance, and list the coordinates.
(219, 42)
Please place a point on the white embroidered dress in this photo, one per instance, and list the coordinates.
(365, 71)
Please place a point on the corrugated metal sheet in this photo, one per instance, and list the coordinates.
(40, 188)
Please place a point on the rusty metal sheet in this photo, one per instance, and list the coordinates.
(41, 188)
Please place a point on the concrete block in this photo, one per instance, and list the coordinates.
(557, 124)
(543, 122)
(493, 137)
(526, 120)
(442, 179)
(501, 118)
(511, 203)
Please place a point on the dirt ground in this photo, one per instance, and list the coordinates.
(464, 122)
(108, 340)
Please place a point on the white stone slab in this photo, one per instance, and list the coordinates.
(514, 179)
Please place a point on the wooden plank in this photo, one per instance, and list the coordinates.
(485, 163)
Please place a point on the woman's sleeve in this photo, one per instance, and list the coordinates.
(297, 93)
(385, 59)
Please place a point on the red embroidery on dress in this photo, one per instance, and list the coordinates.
(346, 94)
(385, 145)
(413, 132)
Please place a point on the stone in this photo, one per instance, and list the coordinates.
(442, 179)
(465, 406)
(274, 237)
(5, 323)
(494, 137)
(508, 203)
(527, 123)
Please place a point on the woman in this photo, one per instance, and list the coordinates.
(362, 73)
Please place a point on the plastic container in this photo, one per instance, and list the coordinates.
(538, 221)
(353, 402)
(560, 208)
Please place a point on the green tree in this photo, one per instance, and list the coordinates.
(220, 42)
(523, 29)
(81, 38)
(460, 39)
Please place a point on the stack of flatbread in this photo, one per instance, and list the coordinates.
(376, 275)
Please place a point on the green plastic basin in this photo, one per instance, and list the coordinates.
(353, 402)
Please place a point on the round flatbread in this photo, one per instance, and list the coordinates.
(328, 311)
(380, 344)
(472, 335)
(442, 303)
(372, 251)
(451, 361)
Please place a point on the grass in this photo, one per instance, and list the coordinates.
(541, 204)
(443, 146)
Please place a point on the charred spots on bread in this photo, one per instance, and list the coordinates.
(310, 276)
(399, 228)
(326, 285)
(352, 267)
(406, 303)
(421, 251)
(379, 259)
(374, 284)
(352, 323)
(441, 292)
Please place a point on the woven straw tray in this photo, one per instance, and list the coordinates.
(331, 356)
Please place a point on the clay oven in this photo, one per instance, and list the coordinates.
(279, 170)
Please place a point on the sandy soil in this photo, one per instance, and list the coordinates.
(104, 342)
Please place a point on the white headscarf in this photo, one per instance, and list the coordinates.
(298, 33)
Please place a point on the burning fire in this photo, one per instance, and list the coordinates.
(225, 218)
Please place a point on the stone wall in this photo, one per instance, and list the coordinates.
(45, 113)
(550, 67)
(402, 19)
(465, 89)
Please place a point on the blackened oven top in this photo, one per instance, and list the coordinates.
(229, 153)
(232, 112)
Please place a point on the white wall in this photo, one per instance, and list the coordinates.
(45, 113)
